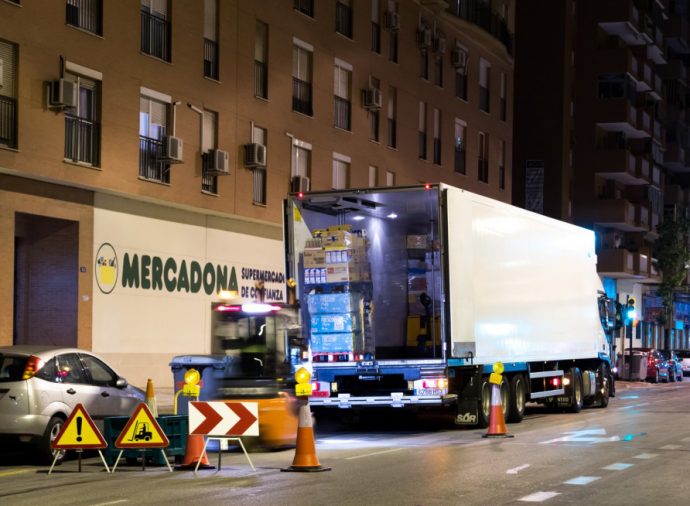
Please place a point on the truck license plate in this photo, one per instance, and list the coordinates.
(430, 391)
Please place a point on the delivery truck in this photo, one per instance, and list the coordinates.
(409, 295)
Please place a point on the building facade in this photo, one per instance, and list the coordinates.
(146, 147)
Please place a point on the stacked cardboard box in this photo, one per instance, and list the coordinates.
(336, 321)
(336, 255)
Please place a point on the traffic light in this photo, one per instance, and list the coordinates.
(630, 312)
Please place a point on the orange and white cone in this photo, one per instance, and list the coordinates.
(305, 452)
(151, 399)
(497, 424)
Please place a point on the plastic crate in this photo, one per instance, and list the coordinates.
(175, 428)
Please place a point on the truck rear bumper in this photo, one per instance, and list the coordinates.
(394, 400)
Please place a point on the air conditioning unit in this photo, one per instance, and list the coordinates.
(254, 155)
(458, 57)
(372, 98)
(300, 184)
(62, 93)
(392, 20)
(217, 163)
(424, 37)
(440, 45)
(173, 150)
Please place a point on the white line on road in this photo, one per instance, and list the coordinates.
(686, 440)
(374, 453)
(634, 406)
(111, 502)
(582, 480)
(646, 456)
(618, 466)
(517, 469)
(539, 496)
(670, 447)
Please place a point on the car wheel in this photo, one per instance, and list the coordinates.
(655, 379)
(46, 454)
(671, 377)
(518, 396)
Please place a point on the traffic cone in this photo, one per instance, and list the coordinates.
(195, 445)
(151, 399)
(305, 452)
(497, 424)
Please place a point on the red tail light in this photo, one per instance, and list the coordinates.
(33, 364)
(650, 360)
(555, 382)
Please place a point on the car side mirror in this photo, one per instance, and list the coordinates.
(121, 383)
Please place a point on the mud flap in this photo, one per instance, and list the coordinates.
(467, 412)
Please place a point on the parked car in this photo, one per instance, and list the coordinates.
(40, 385)
(684, 357)
(675, 369)
(657, 367)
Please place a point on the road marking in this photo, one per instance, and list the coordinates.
(592, 436)
(618, 466)
(630, 397)
(645, 456)
(374, 453)
(634, 406)
(515, 470)
(670, 447)
(111, 502)
(686, 440)
(12, 473)
(539, 496)
(582, 480)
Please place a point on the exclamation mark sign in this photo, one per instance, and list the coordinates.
(79, 420)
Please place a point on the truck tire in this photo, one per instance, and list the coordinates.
(602, 397)
(517, 399)
(484, 408)
(575, 390)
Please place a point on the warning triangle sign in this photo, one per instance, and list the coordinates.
(142, 431)
(79, 432)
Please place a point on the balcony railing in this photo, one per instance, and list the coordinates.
(209, 181)
(8, 122)
(155, 36)
(211, 58)
(151, 163)
(341, 113)
(460, 166)
(260, 79)
(304, 6)
(85, 14)
(301, 97)
(480, 14)
(82, 140)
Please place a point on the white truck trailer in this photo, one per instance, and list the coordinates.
(410, 295)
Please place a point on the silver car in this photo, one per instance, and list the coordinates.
(40, 385)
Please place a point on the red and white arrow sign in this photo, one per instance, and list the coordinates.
(224, 418)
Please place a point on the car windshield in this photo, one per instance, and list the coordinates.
(11, 367)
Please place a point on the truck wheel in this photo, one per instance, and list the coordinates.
(576, 390)
(602, 397)
(484, 410)
(45, 453)
(518, 398)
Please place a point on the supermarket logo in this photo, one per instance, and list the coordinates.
(106, 268)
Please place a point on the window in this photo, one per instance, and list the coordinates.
(616, 86)
(69, 369)
(153, 127)
(373, 176)
(82, 123)
(261, 60)
(392, 113)
(504, 106)
(424, 63)
(422, 131)
(502, 165)
(392, 33)
(209, 142)
(375, 27)
(301, 159)
(8, 94)
(460, 127)
(304, 6)
(438, 70)
(484, 84)
(483, 165)
(390, 178)
(341, 91)
(259, 136)
(100, 374)
(343, 18)
(374, 114)
(86, 14)
(301, 79)
(437, 136)
(461, 83)
(211, 39)
(341, 171)
(155, 29)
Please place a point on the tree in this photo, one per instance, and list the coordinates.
(672, 256)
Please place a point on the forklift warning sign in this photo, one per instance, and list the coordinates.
(142, 431)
